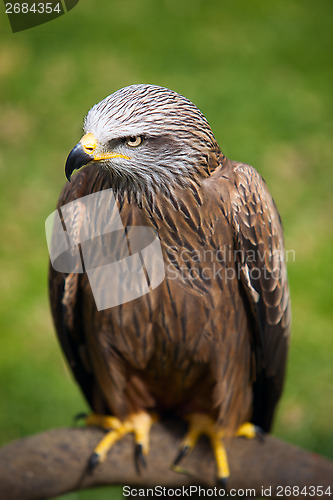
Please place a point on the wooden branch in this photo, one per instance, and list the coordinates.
(55, 462)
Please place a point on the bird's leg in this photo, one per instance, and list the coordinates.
(200, 423)
(137, 423)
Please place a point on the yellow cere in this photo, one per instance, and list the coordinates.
(89, 144)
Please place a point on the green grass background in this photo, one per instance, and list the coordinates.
(262, 74)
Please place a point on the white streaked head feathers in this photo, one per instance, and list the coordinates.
(178, 138)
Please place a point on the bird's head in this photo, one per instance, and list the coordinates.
(148, 138)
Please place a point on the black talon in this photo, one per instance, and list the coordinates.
(93, 461)
(260, 433)
(139, 457)
(80, 416)
(222, 483)
(182, 453)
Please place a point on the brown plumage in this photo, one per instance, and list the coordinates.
(213, 336)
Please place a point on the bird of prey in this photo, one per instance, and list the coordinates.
(209, 344)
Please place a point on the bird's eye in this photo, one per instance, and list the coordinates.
(134, 141)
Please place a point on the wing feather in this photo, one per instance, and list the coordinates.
(259, 244)
(65, 296)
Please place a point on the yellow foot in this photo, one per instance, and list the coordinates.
(138, 423)
(200, 423)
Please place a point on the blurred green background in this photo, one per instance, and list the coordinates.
(262, 74)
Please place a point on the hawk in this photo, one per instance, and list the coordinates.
(209, 344)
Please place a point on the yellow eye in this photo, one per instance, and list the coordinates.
(134, 141)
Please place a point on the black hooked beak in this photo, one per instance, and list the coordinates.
(76, 159)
